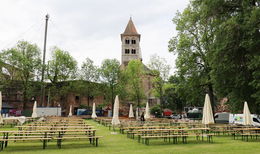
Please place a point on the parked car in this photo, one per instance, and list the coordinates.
(175, 116)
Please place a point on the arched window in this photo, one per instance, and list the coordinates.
(127, 41)
(127, 51)
(133, 51)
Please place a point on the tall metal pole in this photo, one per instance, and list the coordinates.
(43, 62)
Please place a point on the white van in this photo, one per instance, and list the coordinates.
(239, 118)
(230, 118)
(224, 118)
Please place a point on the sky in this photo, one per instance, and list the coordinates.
(90, 28)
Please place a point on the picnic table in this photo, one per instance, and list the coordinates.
(47, 135)
(147, 134)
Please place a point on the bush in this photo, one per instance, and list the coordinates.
(156, 111)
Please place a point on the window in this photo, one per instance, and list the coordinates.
(133, 41)
(77, 98)
(127, 41)
(133, 51)
(127, 51)
(256, 120)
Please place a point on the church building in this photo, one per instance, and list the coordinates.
(131, 50)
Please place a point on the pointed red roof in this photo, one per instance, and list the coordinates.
(130, 29)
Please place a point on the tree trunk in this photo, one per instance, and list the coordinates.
(211, 96)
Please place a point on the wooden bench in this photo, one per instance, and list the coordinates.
(145, 139)
(4, 142)
(93, 139)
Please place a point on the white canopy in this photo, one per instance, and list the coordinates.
(94, 115)
(1, 118)
(131, 112)
(147, 111)
(247, 115)
(34, 114)
(115, 119)
(207, 112)
(70, 113)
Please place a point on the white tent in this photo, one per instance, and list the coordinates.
(247, 115)
(70, 113)
(94, 115)
(115, 119)
(1, 118)
(34, 114)
(131, 113)
(207, 112)
(147, 111)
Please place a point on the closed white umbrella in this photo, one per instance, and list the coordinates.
(147, 111)
(247, 115)
(207, 112)
(70, 113)
(1, 118)
(136, 113)
(115, 119)
(94, 115)
(131, 112)
(34, 114)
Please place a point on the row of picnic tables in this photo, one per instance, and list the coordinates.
(51, 129)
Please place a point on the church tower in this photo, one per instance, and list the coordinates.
(130, 44)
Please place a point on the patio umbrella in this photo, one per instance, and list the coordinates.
(131, 113)
(247, 115)
(70, 113)
(1, 118)
(34, 114)
(207, 117)
(115, 119)
(136, 113)
(94, 115)
(147, 111)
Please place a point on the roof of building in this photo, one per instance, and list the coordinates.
(130, 28)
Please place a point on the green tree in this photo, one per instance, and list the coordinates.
(110, 75)
(25, 64)
(134, 72)
(160, 70)
(235, 60)
(193, 45)
(89, 74)
(61, 67)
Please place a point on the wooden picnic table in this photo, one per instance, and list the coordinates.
(54, 127)
(44, 135)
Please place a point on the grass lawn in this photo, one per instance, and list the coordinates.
(118, 143)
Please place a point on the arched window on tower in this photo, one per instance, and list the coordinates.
(133, 51)
(133, 41)
(127, 51)
(127, 41)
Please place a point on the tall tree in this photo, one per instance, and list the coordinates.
(89, 72)
(160, 70)
(192, 46)
(110, 75)
(134, 72)
(25, 62)
(61, 67)
(235, 60)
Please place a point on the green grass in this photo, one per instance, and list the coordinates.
(118, 143)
